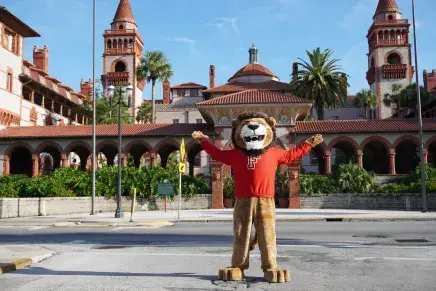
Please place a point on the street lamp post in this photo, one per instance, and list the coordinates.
(421, 142)
(122, 93)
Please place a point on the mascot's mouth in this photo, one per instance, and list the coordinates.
(254, 138)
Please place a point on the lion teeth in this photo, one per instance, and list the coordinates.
(254, 138)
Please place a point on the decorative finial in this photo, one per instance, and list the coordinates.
(253, 54)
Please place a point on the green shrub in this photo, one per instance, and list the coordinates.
(77, 182)
(45, 186)
(228, 187)
(314, 184)
(352, 178)
(282, 184)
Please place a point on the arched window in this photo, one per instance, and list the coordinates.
(390, 17)
(121, 26)
(120, 67)
(394, 59)
(109, 44)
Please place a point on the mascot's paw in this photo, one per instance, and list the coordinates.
(230, 274)
(277, 276)
(199, 136)
(315, 140)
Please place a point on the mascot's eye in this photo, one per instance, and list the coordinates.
(254, 138)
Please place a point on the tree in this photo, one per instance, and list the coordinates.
(321, 81)
(406, 98)
(154, 66)
(103, 109)
(366, 99)
(144, 112)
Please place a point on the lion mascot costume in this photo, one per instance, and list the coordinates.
(254, 161)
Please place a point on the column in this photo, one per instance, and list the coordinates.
(43, 101)
(294, 185)
(217, 185)
(327, 162)
(7, 166)
(35, 166)
(32, 96)
(153, 158)
(64, 161)
(425, 156)
(360, 158)
(392, 162)
(124, 160)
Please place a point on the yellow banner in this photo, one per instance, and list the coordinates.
(182, 168)
(182, 150)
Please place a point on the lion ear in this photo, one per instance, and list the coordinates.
(271, 121)
(236, 123)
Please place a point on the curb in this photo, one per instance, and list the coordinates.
(15, 265)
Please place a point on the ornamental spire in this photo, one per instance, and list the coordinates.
(124, 12)
(253, 54)
(387, 6)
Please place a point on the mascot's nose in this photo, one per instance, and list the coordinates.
(253, 126)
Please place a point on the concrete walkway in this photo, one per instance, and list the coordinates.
(15, 257)
(160, 218)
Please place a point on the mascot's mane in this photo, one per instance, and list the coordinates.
(239, 122)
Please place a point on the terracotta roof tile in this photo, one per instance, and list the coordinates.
(386, 5)
(239, 86)
(253, 69)
(103, 130)
(189, 85)
(124, 12)
(254, 97)
(346, 126)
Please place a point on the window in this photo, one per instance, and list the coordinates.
(175, 121)
(199, 121)
(27, 95)
(394, 59)
(9, 82)
(120, 67)
(194, 93)
(335, 117)
(313, 159)
(10, 41)
(390, 17)
(180, 92)
(121, 27)
(197, 161)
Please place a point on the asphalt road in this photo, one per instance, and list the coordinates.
(320, 256)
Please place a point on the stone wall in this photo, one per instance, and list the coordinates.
(368, 201)
(25, 207)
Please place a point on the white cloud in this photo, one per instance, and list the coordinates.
(185, 40)
(224, 22)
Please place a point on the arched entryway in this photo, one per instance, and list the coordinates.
(165, 148)
(138, 150)
(315, 161)
(431, 151)
(195, 157)
(50, 157)
(376, 151)
(20, 160)
(109, 149)
(81, 150)
(344, 150)
(406, 154)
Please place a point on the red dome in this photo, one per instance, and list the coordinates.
(252, 70)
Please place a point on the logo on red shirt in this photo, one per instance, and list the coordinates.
(252, 161)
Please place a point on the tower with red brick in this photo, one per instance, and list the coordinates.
(123, 47)
(389, 57)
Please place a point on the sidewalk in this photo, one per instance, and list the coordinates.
(160, 218)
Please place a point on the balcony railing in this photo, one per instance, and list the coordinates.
(388, 42)
(370, 76)
(118, 78)
(394, 71)
(393, 21)
(116, 51)
(119, 31)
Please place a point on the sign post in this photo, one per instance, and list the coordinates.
(181, 170)
(165, 189)
(133, 205)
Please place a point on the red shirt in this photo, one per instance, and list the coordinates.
(255, 176)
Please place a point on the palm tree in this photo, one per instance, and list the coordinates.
(154, 66)
(144, 112)
(321, 81)
(366, 99)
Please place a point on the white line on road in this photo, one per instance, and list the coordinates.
(37, 228)
(394, 259)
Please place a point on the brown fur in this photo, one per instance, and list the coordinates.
(238, 124)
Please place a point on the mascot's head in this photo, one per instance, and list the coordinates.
(253, 133)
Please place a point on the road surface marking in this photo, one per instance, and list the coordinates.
(37, 228)
(394, 259)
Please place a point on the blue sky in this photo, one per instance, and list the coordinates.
(197, 33)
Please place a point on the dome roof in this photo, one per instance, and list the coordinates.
(253, 70)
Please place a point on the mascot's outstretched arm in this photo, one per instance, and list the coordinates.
(224, 157)
(292, 155)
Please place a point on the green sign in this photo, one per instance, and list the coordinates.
(165, 189)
